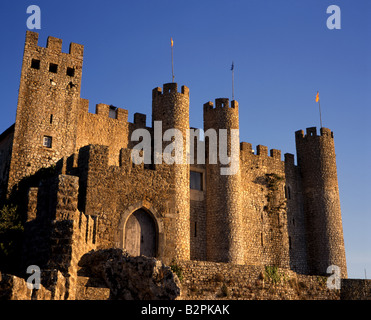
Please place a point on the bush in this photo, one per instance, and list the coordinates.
(272, 273)
(11, 230)
(177, 270)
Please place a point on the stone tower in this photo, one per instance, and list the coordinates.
(172, 109)
(49, 94)
(223, 203)
(317, 163)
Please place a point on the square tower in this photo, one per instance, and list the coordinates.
(47, 110)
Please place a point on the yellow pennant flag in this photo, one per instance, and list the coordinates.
(317, 97)
(172, 43)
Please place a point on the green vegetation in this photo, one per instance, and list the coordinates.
(322, 281)
(178, 270)
(273, 181)
(271, 273)
(11, 231)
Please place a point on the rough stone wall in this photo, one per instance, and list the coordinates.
(317, 163)
(128, 277)
(204, 280)
(264, 207)
(270, 213)
(47, 106)
(139, 277)
(57, 235)
(223, 194)
(6, 142)
(295, 217)
(115, 192)
(198, 234)
(101, 129)
(355, 289)
(172, 108)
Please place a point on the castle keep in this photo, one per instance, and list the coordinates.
(74, 172)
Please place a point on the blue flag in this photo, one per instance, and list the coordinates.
(232, 66)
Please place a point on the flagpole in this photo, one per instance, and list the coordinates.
(232, 68)
(232, 84)
(172, 60)
(319, 107)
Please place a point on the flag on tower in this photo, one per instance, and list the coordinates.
(319, 108)
(232, 69)
(172, 59)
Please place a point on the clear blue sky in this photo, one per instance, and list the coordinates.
(283, 53)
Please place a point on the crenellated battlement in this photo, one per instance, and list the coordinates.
(169, 88)
(105, 111)
(112, 112)
(312, 133)
(231, 204)
(262, 152)
(54, 45)
(221, 104)
(140, 120)
(95, 158)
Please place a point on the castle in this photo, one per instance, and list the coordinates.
(71, 165)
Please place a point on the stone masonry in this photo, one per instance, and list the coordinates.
(80, 190)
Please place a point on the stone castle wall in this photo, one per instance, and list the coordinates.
(48, 101)
(271, 212)
(317, 162)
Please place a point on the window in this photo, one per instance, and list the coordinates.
(47, 142)
(35, 64)
(53, 67)
(287, 192)
(112, 112)
(196, 180)
(71, 72)
(51, 119)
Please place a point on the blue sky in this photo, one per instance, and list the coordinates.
(283, 53)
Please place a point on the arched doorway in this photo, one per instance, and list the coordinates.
(140, 234)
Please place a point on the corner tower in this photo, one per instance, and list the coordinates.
(48, 100)
(317, 164)
(172, 108)
(223, 203)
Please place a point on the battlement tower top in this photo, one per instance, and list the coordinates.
(169, 88)
(312, 132)
(53, 45)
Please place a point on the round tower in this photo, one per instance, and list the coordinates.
(317, 163)
(170, 110)
(223, 188)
